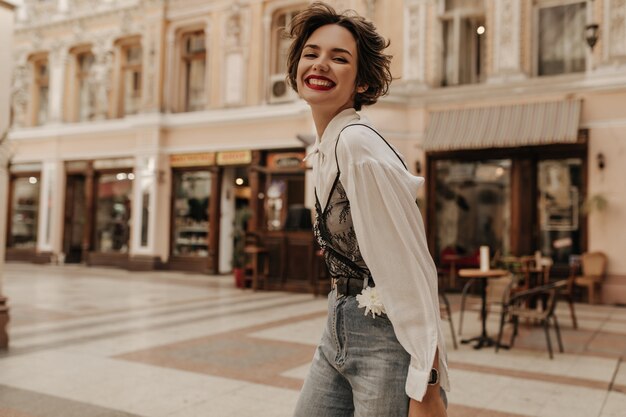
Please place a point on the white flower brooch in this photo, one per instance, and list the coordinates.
(370, 299)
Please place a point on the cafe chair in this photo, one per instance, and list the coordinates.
(444, 305)
(517, 307)
(593, 265)
(446, 314)
(566, 289)
(257, 266)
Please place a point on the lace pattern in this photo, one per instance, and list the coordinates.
(334, 232)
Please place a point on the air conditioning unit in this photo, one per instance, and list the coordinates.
(280, 90)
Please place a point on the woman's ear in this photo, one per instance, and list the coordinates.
(362, 88)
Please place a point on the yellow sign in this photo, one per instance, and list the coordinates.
(192, 160)
(234, 157)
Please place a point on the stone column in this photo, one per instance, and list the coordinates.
(6, 57)
(51, 204)
(58, 63)
(4, 185)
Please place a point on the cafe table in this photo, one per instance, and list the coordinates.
(483, 340)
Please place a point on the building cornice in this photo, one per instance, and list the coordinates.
(164, 121)
(419, 95)
(68, 20)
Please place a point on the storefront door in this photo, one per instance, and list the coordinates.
(75, 218)
(560, 186)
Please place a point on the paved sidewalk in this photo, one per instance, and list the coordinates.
(95, 342)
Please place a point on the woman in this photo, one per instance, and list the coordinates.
(382, 352)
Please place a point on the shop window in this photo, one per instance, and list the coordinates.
(560, 195)
(192, 191)
(113, 210)
(464, 43)
(131, 71)
(24, 212)
(472, 205)
(41, 82)
(194, 69)
(279, 90)
(86, 104)
(561, 39)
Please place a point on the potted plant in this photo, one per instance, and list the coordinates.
(239, 244)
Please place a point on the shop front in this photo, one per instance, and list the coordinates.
(97, 212)
(285, 224)
(517, 194)
(194, 235)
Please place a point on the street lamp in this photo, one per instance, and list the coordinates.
(591, 34)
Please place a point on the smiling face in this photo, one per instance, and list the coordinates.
(327, 69)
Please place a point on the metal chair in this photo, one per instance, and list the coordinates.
(517, 307)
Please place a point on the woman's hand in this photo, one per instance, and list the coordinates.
(431, 406)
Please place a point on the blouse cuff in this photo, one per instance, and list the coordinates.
(417, 383)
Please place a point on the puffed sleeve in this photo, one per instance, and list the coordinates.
(392, 241)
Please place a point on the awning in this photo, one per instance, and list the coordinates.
(528, 124)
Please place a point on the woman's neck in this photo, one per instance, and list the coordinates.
(322, 117)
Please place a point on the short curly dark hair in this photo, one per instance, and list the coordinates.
(372, 64)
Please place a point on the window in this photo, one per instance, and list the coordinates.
(472, 203)
(113, 209)
(192, 191)
(194, 68)
(86, 89)
(41, 83)
(280, 43)
(131, 78)
(464, 43)
(24, 212)
(561, 39)
(279, 90)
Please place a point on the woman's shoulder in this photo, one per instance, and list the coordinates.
(362, 142)
(358, 140)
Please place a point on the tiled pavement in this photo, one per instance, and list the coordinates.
(91, 342)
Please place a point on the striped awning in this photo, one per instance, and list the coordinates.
(503, 126)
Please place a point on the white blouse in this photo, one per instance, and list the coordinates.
(390, 232)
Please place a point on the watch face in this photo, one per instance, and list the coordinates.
(434, 377)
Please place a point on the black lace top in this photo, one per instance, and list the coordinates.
(334, 231)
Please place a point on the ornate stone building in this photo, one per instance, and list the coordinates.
(141, 126)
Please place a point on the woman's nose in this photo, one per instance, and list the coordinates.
(320, 66)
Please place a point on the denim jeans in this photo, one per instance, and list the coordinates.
(359, 368)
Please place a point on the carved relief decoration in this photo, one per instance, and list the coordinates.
(236, 24)
(101, 77)
(617, 25)
(414, 19)
(19, 93)
(507, 36)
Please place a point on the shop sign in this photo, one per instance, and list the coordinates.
(285, 160)
(114, 163)
(28, 167)
(192, 160)
(234, 158)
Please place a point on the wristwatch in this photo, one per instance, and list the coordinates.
(434, 377)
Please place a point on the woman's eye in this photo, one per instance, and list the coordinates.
(341, 59)
(309, 55)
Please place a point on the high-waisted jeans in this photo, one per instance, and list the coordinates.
(359, 368)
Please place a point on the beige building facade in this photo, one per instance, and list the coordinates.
(141, 128)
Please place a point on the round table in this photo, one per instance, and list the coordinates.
(483, 339)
